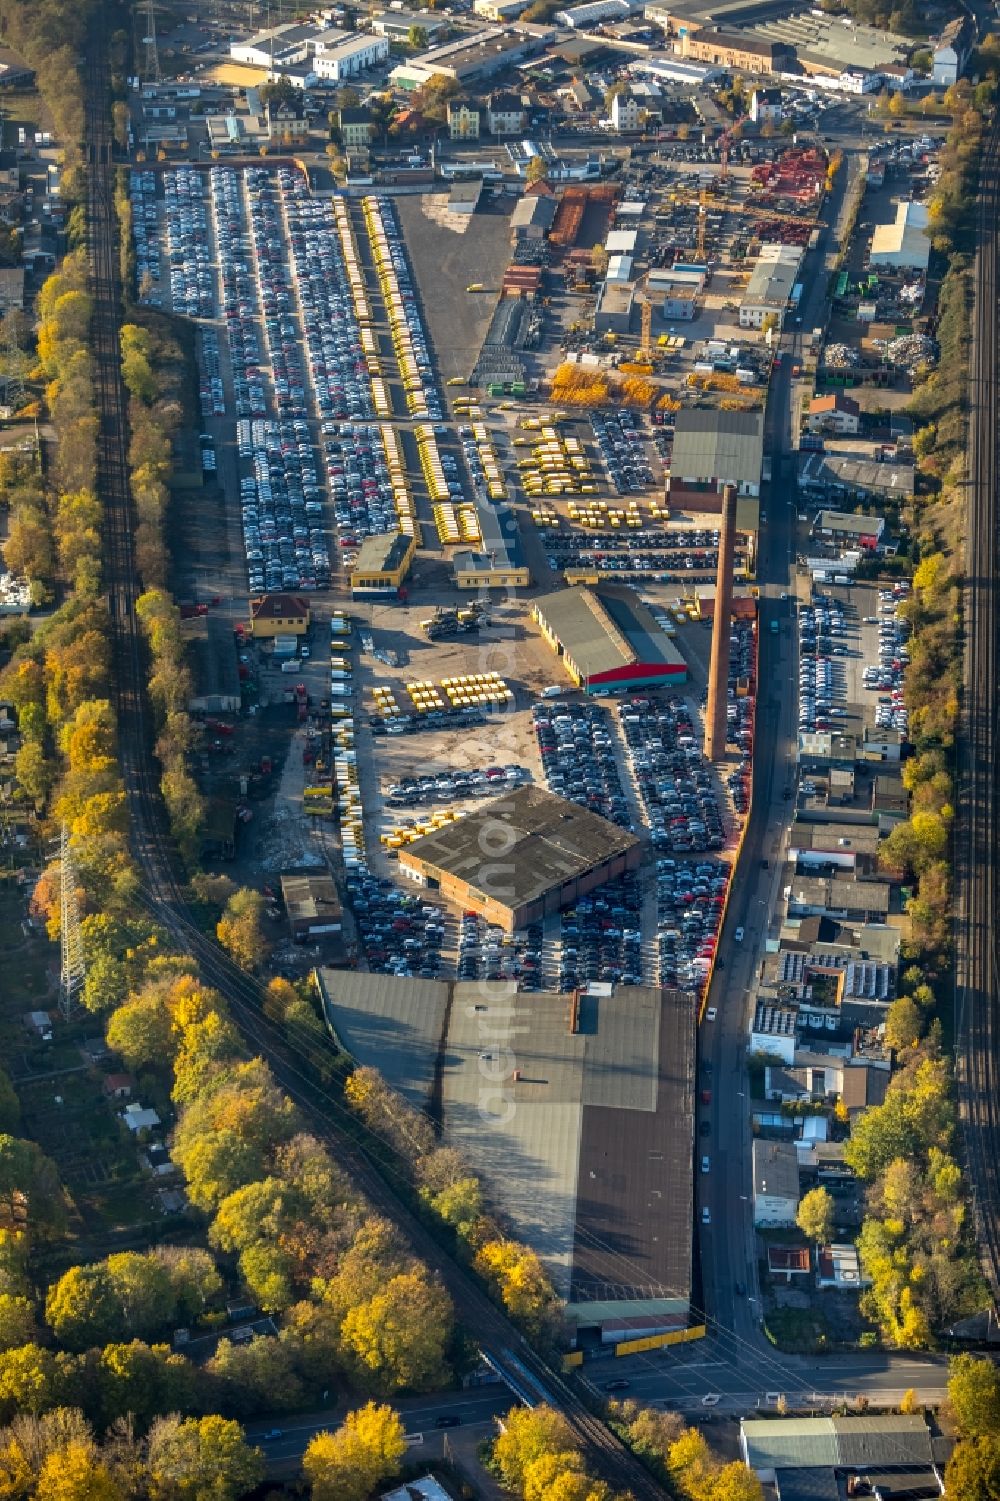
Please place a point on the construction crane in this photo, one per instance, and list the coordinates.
(645, 317)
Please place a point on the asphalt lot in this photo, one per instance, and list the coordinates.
(444, 264)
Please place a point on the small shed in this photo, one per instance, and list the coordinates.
(118, 1086)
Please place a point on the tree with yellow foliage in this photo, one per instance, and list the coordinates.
(524, 1287)
(76, 1473)
(400, 1335)
(528, 1434)
(365, 1450)
(240, 929)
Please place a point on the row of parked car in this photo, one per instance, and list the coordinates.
(620, 437)
(671, 774)
(145, 233)
(282, 499)
(564, 552)
(600, 938)
(192, 288)
(453, 786)
(690, 903)
(822, 640)
(893, 656)
(400, 934)
(576, 742)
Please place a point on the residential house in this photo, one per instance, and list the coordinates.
(157, 1161)
(286, 121)
(835, 414)
(11, 288)
(39, 1022)
(775, 1184)
(865, 1083)
(356, 127)
(625, 112)
(765, 106)
(890, 801)
(279, 615)
(579, 96)
(951, 51)
(773, 1031)
(464, 118)
(505, 114)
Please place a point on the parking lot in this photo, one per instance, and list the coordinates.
(322, 409)
(852, 653)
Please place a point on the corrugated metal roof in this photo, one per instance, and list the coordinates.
(603, 630)
(724, 446)
(882, 1440)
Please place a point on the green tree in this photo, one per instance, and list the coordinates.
(267, 1272)
(258, 1377)
(815, 1215)
(17, 1321)
(904, 1024)
(143, 1381)
(194, 1278)
(416, 38)
(10, 1105)
(201, 1459)
(29, 1380)
(29, 1183)
(364, 1451)
(141, 1031)
(142, 1286)
(82, 1308)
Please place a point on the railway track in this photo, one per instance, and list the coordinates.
(976, 990)
(514, 1360)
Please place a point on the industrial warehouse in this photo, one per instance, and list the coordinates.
(608, 639)
(583, 1143)
(521, 857)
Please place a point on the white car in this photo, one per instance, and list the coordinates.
(738, 935)
(706, 1165)
(711, 1014)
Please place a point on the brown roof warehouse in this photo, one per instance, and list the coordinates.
(518, 858)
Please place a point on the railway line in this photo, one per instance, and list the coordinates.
(977, 1024)
(527, 1375)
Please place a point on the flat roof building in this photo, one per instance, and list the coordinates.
(615, 301)
(383, 563)
(521, 857)
(905, 244)
(397, 24)
(584, 1147)
(844, 474)
(215, 677)
(713, 449)
(797, 1454)
(472, 56)
(312, 905)
(770, 285)
(608, 639)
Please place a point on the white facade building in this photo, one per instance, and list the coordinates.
(350, 57)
